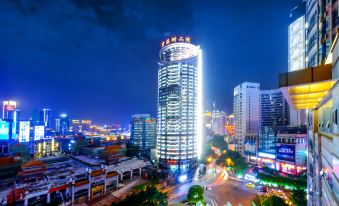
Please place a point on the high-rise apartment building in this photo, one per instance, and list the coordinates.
(143, 132)
(274, 109)
(246, 110)
(179, 103)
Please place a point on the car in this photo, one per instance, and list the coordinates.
(263, 189)
(259, 187)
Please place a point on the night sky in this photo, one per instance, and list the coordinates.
(98, 59)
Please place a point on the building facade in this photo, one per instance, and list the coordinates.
(274, 109)
(6, 107)
(45, 118)
(296, 38)
(322, 24)
(219, 119)
(179, 103)
(143, 132)
(316, 89)
(246, 110)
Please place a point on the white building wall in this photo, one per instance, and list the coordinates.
(246, 112)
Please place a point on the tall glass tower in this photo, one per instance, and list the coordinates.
(179, 104)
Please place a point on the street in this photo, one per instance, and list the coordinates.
(221, 189)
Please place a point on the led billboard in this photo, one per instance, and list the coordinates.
(286, 153)
(39, 132)
(24, 129)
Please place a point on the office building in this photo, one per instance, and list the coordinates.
(246, 110)
(180, 114)
(297, 52)
(283, 148)
(75, 126)
(267, 147)
(57, 125)
(143, 133)
(208, 134)
(86, 125)
(11, 114)
(218, 123)
(297, 117)
(35, 118)
(45, 118)
(62, 124)
(274, 109)
(296, 38)
(291, 149)
(6, 107)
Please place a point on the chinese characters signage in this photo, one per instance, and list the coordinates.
(175, 39)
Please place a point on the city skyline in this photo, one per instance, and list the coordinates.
(92, 59)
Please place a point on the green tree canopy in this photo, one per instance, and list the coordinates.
(219, 142)
(233, 160)
(274, 201)
(298, 197)
(196, 194)
(151, 196)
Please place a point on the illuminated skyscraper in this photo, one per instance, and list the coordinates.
(6, 107)
(218, 123)
(62, 124)
(86, 125)
(180, 114)
(45, 118)
(296, 38)
(246, 113)
(75, 126)
(274, 109)
(143, 132)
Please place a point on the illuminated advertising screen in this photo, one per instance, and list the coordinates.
(250, 147)
(4, 130)
(24, 129)
(286, 153)
(39, 132)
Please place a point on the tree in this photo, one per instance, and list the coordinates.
(298, 197)
(234, 161)
(240, 166)
(207, 152)
(274, 201)
(257, 201)
(219, 142)
(150, 196)
(196, 194)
